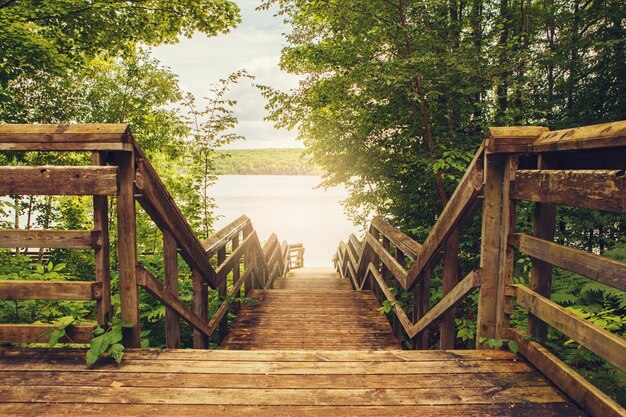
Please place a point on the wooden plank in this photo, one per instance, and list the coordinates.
(467, 284)
(421, 302)
(447, 328)
(404, 320)
(170, 278)
(396, 269)
(102, 257)
(592, 189)
(65, 137)
(200, 301)
(50, 290)
(33, 333)
(167, 297)
(598, 268)
(544, 227)
(606, 135)
(225, 235)
(463, 197)
(490, 246)
(601, 342)
(54, 133)
(512, 139)
(68, 239)
(404, 243)
(227, 266)
(571, 382)
(127, 250)
(285, 397)
(506, 255)
(161, 207)
(57, 180)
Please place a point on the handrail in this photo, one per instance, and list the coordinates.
(120, 168)
(378, 262)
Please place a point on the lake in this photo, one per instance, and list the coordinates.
(290, 206)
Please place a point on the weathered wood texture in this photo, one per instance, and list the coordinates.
(313, 309)
(275, 383)
(68, 239)
(65, 137)
(57, 180)
(50, 290)
(596, 190)
(39, 333)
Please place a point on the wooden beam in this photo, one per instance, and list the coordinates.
(592, 189)
(544, 227)
(225, 235)
(467, 284)
(490, 247)
(161, 207)
(404, 243)
(469, 187)
(590, 398)
(606, 135)
(200, 301)
(598, 268)
(167, 297)
(66, 239)
(64, 137)
(221, 311)
(58, 180)
(512, 139)
(33, 333)
(447, 328)
(397, 308)
(102, 259)
(601, 342)
(50, 290)
(170, 278)
(396, 269)
(227, 265)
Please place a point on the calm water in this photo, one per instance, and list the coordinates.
(291, 207)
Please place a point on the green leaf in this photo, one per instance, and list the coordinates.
(91, 358)
(513, 347)
(66, 321)
(117, 352)
(99, 345)
(126, 325)
(58, 267)
(97, 331)
(55, 336)
(50, 266)
(39, 268)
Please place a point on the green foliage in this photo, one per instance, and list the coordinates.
(264, 162)
(109, 340)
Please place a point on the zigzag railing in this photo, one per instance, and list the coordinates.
(581, 167)
(121, 169)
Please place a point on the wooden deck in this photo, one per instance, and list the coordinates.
(311, 308)
(276, 383)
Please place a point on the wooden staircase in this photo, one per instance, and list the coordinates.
(310, 308)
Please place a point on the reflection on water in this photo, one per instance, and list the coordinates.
(290, 206)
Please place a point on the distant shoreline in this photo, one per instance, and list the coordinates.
(270, 161)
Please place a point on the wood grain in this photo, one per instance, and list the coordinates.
(57, 180)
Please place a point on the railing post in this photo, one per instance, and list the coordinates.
(222, 292)
(103, 262)
(421, 298)
(447, 333)
(496, 257)
(397, 326)
(127, 247)
(200, 303)
(541, 272)
(170, 275)
(236, 272)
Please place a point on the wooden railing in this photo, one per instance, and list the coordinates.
(121, 169)
(582, 167)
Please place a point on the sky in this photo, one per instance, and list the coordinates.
(255, 46)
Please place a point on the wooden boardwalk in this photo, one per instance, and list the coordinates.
(276, 383)
(312, 308)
